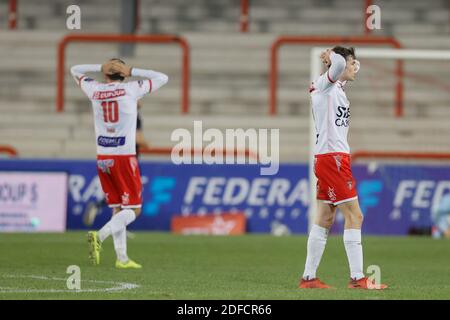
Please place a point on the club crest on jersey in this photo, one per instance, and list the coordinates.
(105, 165)
(338, 160)
(331, 194)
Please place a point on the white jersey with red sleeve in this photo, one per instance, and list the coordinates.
(115, 107)
(331, 109)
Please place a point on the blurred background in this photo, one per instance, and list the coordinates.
(233, 49)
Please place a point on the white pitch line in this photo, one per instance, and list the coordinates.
(118, 286)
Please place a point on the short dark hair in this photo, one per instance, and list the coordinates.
(116, 76)
(345, 52)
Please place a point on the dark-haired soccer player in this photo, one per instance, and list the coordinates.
(114, 104)
(336, 187)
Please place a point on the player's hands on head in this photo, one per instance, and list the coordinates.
(122, 69)
(107, 67)
(112, 67)
(325, 57)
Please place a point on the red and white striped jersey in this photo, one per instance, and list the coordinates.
(114, 106)
(331, 109)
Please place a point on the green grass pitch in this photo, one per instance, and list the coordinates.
(33, 266)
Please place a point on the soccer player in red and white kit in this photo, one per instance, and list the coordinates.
(336, 187)
(115, 113)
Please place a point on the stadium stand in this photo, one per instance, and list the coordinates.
(229, 73)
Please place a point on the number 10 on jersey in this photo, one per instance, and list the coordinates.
(110, 111)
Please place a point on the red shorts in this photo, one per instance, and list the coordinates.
(121, 180)
(335, 182)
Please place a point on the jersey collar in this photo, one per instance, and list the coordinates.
(341, 84)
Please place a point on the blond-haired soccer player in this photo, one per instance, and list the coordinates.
(336, 187)
(114, 104)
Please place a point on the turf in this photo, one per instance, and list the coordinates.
(207, 267)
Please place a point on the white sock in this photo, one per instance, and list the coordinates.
(118, 222)
(120, 244)
(316, 245)
(353, 247)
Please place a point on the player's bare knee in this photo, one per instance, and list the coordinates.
(327, 221)
(355, 218)
(137, 211)
(359, 217)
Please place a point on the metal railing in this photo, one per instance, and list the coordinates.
(96, 38)
(326, 40)
(11, 151)
(165, 151)
(413, 155)
(244, 19)
(12, 14)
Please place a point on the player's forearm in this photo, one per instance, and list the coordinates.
(337, 67)
(80, 70)
(158, 78)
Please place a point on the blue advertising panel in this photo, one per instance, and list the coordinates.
(393, 198)
(397, 198)
(175, 189)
